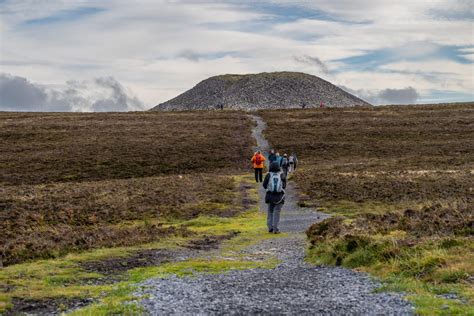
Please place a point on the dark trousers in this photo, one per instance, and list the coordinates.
(258, 174)
(285, 171)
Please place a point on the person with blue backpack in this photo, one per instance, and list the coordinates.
(274, 184)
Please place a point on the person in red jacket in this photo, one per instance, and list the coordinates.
(258, 161)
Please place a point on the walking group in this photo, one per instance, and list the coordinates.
(274, 182)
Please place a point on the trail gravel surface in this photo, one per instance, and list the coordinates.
(294, 287)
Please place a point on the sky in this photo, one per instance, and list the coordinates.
(121, 55)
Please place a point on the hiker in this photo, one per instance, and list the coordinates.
(285, 164)
(303, 106)
(275, 184)
(278, 159)
(292, 161)
(258, 164)
(272, 157)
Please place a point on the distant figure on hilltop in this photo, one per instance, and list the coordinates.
(303, 105)
(275, 184)
(258, 162)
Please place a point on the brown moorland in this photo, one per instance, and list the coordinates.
(391, 154)
(399, 181)
(39, 148)
(72, 182)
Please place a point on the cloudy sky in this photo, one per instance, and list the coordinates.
(123, 55)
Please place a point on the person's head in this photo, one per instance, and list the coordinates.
(272, 151)
(285, 155)
(258, 152)
(278, 154)
(274, 167)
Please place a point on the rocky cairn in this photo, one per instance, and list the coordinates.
(276, 90)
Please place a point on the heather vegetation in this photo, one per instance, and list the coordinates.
(71, 182)
(69, 147)
(108, 200)
(98, 195)
(398, 181)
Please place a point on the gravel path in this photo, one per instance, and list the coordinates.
(294, 287)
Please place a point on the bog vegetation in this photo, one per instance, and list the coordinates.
(71, 182)
(399, 182)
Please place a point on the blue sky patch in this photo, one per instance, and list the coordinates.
(437, 96)
(278, 14)
(64, 16)
(374, 59)
(289, 13)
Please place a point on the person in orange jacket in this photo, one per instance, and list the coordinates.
(258, 161)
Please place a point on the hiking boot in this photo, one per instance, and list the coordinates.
(270, 230)
(277, 231)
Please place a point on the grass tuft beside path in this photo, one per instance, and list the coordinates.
(398, 180)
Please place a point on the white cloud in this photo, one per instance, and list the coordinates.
(162, 48)
(408, 95)
(437, 74)
(99, 95)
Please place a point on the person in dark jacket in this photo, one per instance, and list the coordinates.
(271, 157)
(285, 164)
(275, 196)
(279, 159)
(293, 161)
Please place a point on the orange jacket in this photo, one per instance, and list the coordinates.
(254, 161)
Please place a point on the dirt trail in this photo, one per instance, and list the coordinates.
(294, 287)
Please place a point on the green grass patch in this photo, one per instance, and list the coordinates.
(64, 278)
(197, 266)
(352, 209)
(424, 271)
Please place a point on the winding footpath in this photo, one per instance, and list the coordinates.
(294, 287)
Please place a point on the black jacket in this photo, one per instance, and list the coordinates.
(274, 197)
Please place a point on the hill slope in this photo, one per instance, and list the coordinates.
(261, 91)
